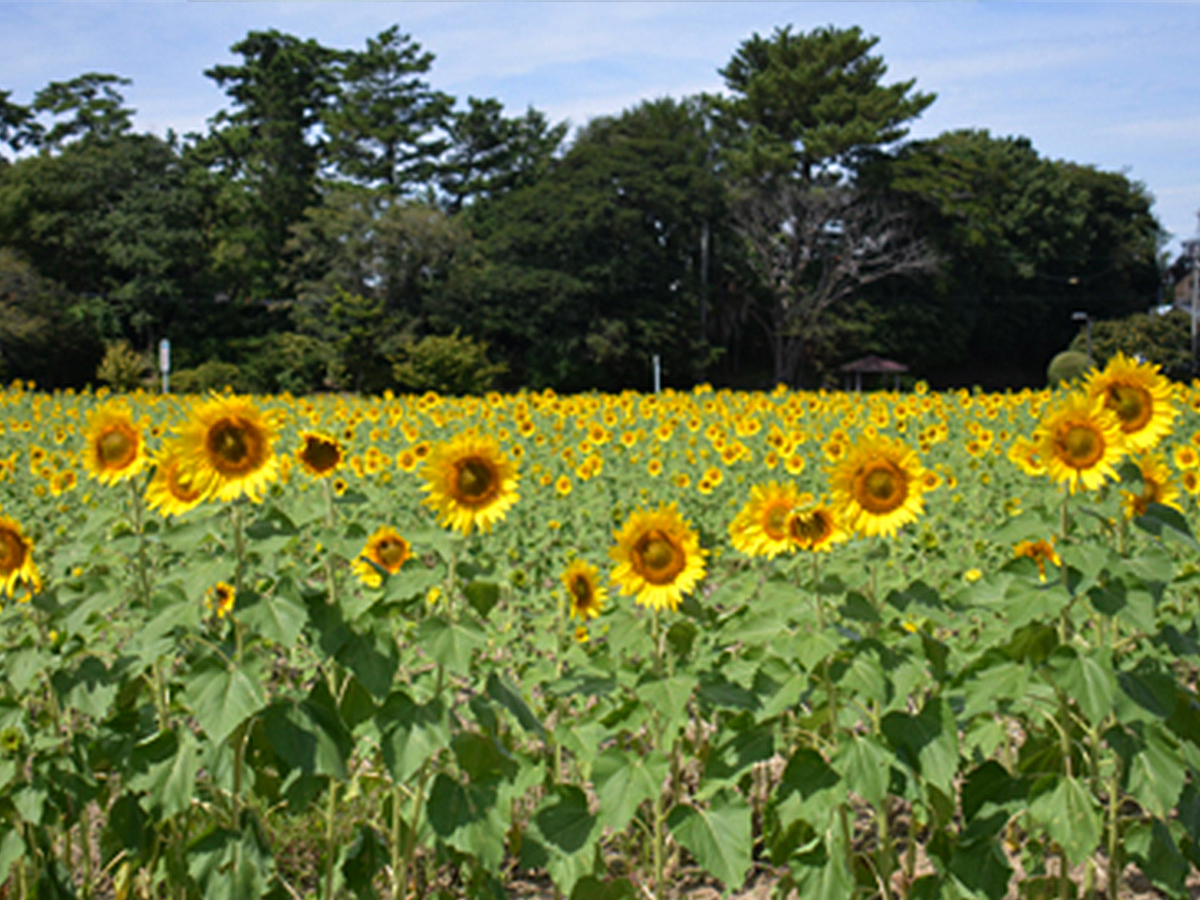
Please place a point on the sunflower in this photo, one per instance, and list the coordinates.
(582, 581)
(815, 528)
(1023, 453)
(1157, 487)
(385, 549)
(1080, 441)
(877, 486)
(1139, 395)
(761, 526)
(1040, 552)
(658, 557)
(219, 599)
(16, 559)
(115, 449)
(319, 454)
(173, 490)
(226, 444)
(470, 482)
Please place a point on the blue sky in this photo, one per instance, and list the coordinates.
(1113, 84)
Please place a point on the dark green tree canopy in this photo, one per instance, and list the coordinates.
(118, 221)
(17, 126)
(267, 148)
(342, 212)
(387, 127)
(805, 101)
(89, 106)
(490, 153)
(595, 267)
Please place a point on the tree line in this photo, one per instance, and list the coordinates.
(344, 225)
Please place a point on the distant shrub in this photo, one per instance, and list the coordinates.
(1067, 366)
(448, 364)
(1162, 339)
(213, 375)
(123, 368)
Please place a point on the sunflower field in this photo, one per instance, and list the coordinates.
(828, 645)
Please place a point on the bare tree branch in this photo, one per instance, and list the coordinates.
(812, 246)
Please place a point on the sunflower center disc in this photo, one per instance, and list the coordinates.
(580, 590)
(1131, 404)
(181, 487)
(775, 524)
(808, 529)
(232, 446)
(660, 560)
(1082, 447)
(12, 553)
(115, 447)
(321, 456)
(476, 480)
(882, 489)
(391, 553)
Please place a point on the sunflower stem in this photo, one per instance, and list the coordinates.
(656, 636)
(138, 507)
(1063, 526)
(330, 838)
(816, 575)
(238, 516)
(559, 666)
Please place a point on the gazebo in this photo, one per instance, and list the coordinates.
(872, 365)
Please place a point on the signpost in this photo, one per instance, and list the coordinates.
(164, 363)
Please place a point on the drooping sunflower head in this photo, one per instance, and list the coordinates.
(1139, 395)
(227, 443)
(816, 528)
(319, 454)
(16, 559)
(761, 526)
(174, 489)
(1023, 453)
(584, 591)
(877, 486)
(387, 550)
(470, 482)
(1040, 552)
(1080, 441)
(1157, 487)
(220, 598)
(115, 448)
(658, 557)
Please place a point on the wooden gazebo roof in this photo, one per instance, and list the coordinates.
(874, 365)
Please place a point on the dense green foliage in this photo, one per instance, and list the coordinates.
(1162, 339)
(768, 234)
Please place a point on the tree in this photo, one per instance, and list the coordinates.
(117, 221)
(805, 102)
(807, 109)
(97, 110)
(1161, 339)
(1025, 242)
(43, 333)
(365, 265)
(384, 129)
(17, 126)
(490, 154)
(370, 244)
(267, 150)
(585, 274)
(813, 246)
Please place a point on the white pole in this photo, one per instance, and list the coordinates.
(164, 363)
(657, 374)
